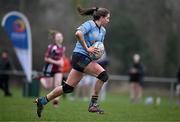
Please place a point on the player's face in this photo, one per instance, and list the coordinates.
(136, 58)
(58, 38)
(4, 55)
(105, 20)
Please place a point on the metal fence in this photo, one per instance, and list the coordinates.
(171, 81)
(120, 78)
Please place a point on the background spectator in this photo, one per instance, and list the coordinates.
(4, 76)
(136, 75)
(178, 87)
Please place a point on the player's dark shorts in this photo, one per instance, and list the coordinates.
(80, 61)
(139, 81)
(49, 72)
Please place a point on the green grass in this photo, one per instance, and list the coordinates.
(117, 108)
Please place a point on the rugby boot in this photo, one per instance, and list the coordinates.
(94, 108)
(40, 106)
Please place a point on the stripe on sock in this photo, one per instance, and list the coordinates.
(46, 98)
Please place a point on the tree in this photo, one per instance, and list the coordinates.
(125, 41)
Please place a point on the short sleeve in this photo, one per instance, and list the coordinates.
(85, 27)
(48, 51)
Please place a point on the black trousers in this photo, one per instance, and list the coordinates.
(4, 84)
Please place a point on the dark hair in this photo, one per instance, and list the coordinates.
(94, 11)
(4, 51)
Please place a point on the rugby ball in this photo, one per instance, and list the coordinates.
(100, 47)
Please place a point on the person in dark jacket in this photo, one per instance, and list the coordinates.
(4, 76)
(178, 87)
(136, 76)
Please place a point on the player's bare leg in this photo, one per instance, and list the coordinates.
(93, 105)
(57, 82)
(96, 70)
(72, 80)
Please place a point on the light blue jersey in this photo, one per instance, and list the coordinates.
(92, 33)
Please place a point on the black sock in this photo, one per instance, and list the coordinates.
(94, 99)
(46, 98)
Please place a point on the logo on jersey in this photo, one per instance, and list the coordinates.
(94, 35)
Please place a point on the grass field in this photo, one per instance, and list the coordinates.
(117, 108)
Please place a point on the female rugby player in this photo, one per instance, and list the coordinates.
(86, 34)
(52, 70)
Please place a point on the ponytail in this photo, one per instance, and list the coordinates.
(94, 11)
(88, 11)
(52, 33)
